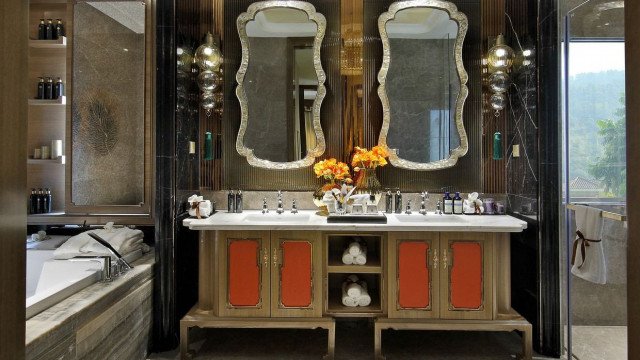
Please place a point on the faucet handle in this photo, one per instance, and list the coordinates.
(408, 211)
(294, 207)
(265, 207)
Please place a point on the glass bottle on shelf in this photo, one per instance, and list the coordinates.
(33, 202)
(40, 91)
(48, 89)
(48, 201)
(59, 28)
(42, 30)
(49, 30)
(58, 90)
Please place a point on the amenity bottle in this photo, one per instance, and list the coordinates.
(447, 203)
(457, 204)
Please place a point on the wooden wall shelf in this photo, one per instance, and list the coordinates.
(58, 161)
(40, 102)
(60, 43)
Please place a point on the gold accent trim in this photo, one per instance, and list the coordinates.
(242, 21)
(463, 25)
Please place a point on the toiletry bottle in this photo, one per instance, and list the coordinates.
(46, 203)
(40, 93)
(48, 89)
(39, 201)
(231, 202)
(448, 203)
(457, 204)
(42, 30)
(33, 206)
(58, 90)
(388, 202)
(49, 29)
(60, 28)
(398, 204)
(238, 201)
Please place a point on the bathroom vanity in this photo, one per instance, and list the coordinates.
(429, 272)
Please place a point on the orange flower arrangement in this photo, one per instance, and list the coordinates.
(332, 170)
(369, 159)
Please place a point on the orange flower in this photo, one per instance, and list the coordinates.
(363, 158)
(331, 169)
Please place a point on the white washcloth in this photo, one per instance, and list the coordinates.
(364, 299)
(123, 240)
(347, 300)
(361, 259)
(347, 258)
(592, 267)
(355, 249)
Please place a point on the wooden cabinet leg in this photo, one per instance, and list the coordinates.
(331, 341)
(377, 342)
(184, 342)
(527, 342)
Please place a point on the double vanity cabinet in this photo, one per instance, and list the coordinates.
(432, 272)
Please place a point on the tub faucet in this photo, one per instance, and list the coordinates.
(121, 262)
(106, 265)
(280, 208)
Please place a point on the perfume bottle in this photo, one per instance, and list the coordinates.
(40, 92)
(49, 29)
(58, 90)
(59, 28)
(42, 30)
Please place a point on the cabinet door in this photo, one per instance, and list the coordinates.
(296, 274)
(466, 276)
(413, 275)
(244, 275)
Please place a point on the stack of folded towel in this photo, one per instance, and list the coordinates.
(124, 240)
(354, 292)
(355, 253)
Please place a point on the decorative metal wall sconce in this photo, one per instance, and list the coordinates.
(498, 63)
(209, 59)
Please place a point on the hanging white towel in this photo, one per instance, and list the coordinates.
(588, 253)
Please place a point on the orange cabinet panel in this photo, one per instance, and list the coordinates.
(413, 275)
(244, 273)
(295, 274)
(466, 275)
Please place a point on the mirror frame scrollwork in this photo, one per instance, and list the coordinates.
(463, 25)
(241, 22)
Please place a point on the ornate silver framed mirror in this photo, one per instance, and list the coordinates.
(280, 84)
(423, 84)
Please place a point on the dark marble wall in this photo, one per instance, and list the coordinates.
(422, 79)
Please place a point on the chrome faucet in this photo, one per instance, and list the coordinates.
(121, 263)
(265, 207)
(280, 208)
(408, 211)
(423, 203)
(106, 265)
(294, 207)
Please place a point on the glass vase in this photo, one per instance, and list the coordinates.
(367, 182)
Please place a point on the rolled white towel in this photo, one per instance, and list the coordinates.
(355, 248)
(354, 290)
(352, 278)
(364, 299)
(347, 258)
(82, 244)
(348, 300)
(361, 259)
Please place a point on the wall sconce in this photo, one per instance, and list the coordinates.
(209, 60)
(499, 62)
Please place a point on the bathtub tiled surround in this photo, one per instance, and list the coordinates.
(110, 319)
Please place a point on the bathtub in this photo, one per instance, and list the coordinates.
(50, 281)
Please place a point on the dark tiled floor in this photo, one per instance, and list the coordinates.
(354, 341)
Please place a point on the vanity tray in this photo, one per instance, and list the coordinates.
(378, 218)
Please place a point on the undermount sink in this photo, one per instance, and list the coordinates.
(418, 218)
(273, 217)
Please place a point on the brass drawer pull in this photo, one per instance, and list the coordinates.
(265, 257)
(445, 259)
(435, 259)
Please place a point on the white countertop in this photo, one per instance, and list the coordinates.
(308, 220)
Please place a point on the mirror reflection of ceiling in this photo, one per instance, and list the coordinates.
(129, 14)
(596, 18)
(422, 23)
(281, 22)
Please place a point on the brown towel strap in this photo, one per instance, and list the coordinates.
(196, 205)
(584, 243)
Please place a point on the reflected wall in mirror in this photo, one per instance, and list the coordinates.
(280, 84)
(423, 84)
(110, 108)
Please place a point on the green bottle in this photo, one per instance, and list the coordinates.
(497, 146)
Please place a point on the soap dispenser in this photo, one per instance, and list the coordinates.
(231, 202)
(238, 203)
(388, 201)
(447, 203)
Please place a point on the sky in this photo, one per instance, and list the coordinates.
(586, 57)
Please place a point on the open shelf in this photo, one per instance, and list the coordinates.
(334, 296)
(336, 244)
(372, 266)
(59, 161)
(59, 43)
(39, 102)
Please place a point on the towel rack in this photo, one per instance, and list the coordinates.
(605, 214)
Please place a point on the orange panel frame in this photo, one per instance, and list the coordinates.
(466, 276)
(244, 273)
(296, 274)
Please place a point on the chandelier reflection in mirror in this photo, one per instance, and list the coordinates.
(499, 61)
(209, 60)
